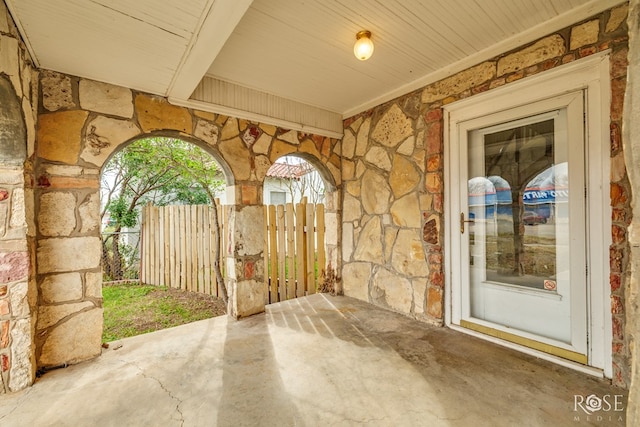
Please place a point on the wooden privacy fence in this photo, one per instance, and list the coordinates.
(178, 247)
(294, 254)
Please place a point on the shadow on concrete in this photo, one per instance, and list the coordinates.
(471, 380)
(253, 393)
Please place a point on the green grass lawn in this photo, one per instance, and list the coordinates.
(131, 309)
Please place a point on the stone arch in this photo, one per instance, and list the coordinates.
(113, 266)
(325, 174)
(332, 204)
(323, 170)
(314, 149)
(73, 146)
(212, 151)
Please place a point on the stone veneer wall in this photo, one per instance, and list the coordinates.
(81, 124)
(393, 178)
(18, 96)
(631, 143)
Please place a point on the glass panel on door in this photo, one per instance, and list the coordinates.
(521, 241)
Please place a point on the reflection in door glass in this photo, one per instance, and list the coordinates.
(518, 206)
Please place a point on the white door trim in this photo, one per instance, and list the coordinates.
(591, 75)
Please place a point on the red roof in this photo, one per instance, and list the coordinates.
(288, 171)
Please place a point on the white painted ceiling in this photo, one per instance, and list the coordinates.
(296, 53)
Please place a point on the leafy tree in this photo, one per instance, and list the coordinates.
(120, 214)
(162, 171)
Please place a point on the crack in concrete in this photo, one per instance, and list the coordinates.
(363, 422)
(162, 386)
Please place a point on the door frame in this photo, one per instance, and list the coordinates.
(592, 76)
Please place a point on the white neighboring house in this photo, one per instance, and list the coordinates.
(289, 182)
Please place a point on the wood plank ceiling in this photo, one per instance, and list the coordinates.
(281, 61)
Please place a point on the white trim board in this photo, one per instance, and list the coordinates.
(255, 117)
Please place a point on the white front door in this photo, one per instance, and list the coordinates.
(528, 222)
(521, 197)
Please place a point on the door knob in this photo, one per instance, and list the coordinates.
(462, 221)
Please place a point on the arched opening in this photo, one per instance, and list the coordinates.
(162, 227)
(291, 179)
(300, 227)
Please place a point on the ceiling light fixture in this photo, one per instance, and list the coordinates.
(363, 49)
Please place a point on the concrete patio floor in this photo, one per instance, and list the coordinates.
(314, 361)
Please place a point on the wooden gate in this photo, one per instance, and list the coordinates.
(294, 254)
(178, 247)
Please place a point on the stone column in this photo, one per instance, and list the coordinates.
(69, 247)
(17, 294)
(70, 315)
(17, 288)
(245, 265)
(333, 236)
(631, 138)
(17, 285)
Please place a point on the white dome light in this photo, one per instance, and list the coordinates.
(363, 49)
